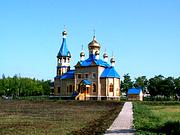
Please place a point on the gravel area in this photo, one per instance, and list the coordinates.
(123, 124)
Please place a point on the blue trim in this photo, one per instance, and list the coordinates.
(62, 66)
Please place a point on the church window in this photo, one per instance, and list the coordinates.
(64, 60)
(94, 87)
(93, 75)
(73, 88)
(67, 89)
(78, 87)
(52, 91)
(59, 60)
(111, 87)
(70, 88)
(59, 89)
(87, 89)
(86, 75)
(79, 76)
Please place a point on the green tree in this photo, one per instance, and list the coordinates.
(46, 87)
(141, 82)
(154, 85)
(177, 86)
(170, 89)
(2, 85)
(18, 86)
(126, 83)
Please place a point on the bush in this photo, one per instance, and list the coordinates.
(161, 102)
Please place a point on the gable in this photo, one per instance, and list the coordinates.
(78, 64)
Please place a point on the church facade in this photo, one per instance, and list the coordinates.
(92, 79)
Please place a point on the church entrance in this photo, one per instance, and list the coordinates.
(84, 90)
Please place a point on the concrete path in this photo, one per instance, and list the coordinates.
(123, 124)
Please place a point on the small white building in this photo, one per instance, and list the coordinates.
(135, 94)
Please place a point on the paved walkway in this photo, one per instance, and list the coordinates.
(123, 124)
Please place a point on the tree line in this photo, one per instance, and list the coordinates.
(158, 86)
(23, 86)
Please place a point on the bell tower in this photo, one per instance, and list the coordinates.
(63, 57)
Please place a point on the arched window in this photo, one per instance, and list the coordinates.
(59, 89)
(70, 88)
(64, 60)
(87, 89)
(79, 87)
(111, 87)
(94, 87)
(73, 88)
(67, 89)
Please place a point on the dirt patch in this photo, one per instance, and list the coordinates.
(99, 126)
(22, 117)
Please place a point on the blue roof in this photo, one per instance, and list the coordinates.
(68, 75)
(92, 59)
(134, 91)
(64, 52)
(86, 82)
(110, 72)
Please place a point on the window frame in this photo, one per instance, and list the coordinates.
(86, 75)
(93, 75)
(70, 88)
(67, 89)
(111, 87)
(59, 89)
(94, 87)
(79, 75)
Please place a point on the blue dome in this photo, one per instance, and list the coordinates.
(64, 52)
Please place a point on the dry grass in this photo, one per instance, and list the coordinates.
(166, 113)
(23, 117)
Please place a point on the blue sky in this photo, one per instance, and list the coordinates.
(144, 35)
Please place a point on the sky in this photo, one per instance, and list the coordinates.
(143, 35)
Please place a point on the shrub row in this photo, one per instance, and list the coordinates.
(161, 102)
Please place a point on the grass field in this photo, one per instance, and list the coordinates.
(157, 118)
(24, 117)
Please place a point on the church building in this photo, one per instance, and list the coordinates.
(92, 79)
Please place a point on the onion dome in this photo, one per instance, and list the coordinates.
(112, 60)
(97, 53)
(105, 55)
(64, 33)
(64, 52)
(94, 43)
(82, 54)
